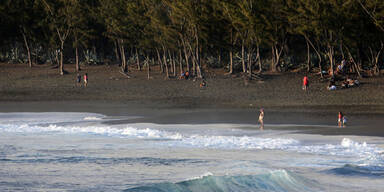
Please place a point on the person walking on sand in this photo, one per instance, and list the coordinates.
(305, 83)
(344, 121)
(340, 119)
(85, 79)
(261, 119)
(78, 80)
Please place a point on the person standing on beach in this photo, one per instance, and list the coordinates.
(78, 80)
(340, 119)
(305, 83)
(344, 121)
(261, 119)
(85, 79)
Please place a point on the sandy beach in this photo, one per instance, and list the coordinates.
(224, 100)
(120, 134)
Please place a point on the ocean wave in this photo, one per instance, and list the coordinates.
(176, 139)
(361, 153)
(279, 180)
(47, 118)
(358, 170)
(148, 161)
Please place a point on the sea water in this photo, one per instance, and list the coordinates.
(81, 152)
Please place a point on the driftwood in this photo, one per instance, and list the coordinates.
(125, 74)
(256, 76)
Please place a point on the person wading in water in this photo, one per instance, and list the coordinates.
(261, 119)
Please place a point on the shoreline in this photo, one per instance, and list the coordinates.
(318, 121)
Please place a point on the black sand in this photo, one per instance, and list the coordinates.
(224, 100)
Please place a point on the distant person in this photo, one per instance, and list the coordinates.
(203, 84)
(261, 119)
(345, 121)
(182, 75)
(85, 79)
(186, 75)
(331, 85)
(305, 83)
(345, 83)
(340, 119)
(78, 79)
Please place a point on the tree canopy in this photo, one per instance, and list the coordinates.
(276, 35)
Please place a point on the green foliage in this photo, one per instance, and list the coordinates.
(200, 26)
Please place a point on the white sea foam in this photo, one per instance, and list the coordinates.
(46, 118)
(347, 147)
(92, 118)
(367, 154)
(201, 176)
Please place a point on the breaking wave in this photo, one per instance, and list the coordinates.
(356, 170)
(279, 180)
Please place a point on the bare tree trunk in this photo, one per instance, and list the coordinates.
(116, 50)
(230, 62)
(198, 55)
(278, 55)
(137, 60)
(219, 57)
(375, 58)
(186, 55)
(124, 66)
(170, 61)
(28, 50)
(231, 54)
(194, 63)
(174, 63)
(250, 54)
(258, 58)
(353, 61)
(165, 62)
(77, 59)
(159, 59)
(273, 58)
(148, 66)
(318, 54)
(341, 49)
(57, 57)
(61, 66)
(308, 57)
(331, 59)
(180, 61)
(77, 66)
(243, 56)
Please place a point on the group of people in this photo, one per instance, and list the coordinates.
(341, 69)
(184, 75)
(348, 82)
(78, 79)
(342, 119)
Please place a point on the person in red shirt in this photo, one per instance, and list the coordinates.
(85, 79)
(305, 83)
(340, 119)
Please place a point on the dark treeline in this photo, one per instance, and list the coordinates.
(191, 35)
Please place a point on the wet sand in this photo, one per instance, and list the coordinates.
(315, 122)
